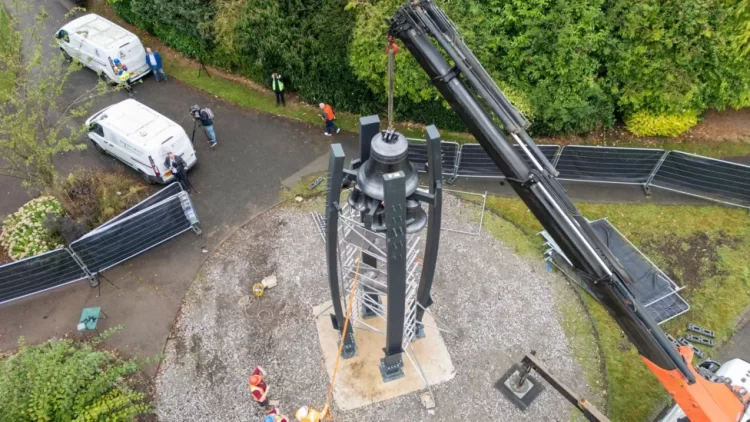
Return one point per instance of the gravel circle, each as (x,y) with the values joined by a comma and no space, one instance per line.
(499,306)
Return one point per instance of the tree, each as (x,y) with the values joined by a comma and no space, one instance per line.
(36,122)
(63,380)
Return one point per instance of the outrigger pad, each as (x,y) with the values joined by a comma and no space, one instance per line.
(522,398)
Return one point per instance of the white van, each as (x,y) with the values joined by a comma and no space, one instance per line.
(141,138)
(96,42)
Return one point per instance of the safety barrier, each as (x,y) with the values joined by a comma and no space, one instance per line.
(155,220)
(703,177)
(418,155)
(475,162)
(607,165)
(716,180)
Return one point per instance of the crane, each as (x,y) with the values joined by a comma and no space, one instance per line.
(472,94)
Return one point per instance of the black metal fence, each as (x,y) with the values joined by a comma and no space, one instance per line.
(155,220)
(708,178)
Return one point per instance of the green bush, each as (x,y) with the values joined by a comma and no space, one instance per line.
(63,380)
(645,124)
(24,232)
(674,57)
(570,67)
(92,197)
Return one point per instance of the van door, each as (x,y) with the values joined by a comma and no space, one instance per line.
(74,46)
(96,134)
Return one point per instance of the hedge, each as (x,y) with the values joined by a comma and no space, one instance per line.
(571,66)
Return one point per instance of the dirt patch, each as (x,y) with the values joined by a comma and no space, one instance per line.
(726,124)
(689,260)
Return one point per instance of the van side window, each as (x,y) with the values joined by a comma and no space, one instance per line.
(97,128)
(63,35)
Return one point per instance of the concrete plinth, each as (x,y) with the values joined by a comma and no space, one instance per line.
(358,381)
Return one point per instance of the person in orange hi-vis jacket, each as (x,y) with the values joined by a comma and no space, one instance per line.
(328,117)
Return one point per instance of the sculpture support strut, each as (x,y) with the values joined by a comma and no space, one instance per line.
(434,220)
(335,177)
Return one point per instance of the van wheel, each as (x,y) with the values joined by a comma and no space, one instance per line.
(66,56)
(99,147)
(146,178)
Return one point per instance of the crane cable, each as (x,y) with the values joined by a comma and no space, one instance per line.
(391,49)
(329,397)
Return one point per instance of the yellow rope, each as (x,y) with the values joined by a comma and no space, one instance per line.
(326,408)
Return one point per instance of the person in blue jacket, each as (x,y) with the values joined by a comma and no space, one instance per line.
(153,59)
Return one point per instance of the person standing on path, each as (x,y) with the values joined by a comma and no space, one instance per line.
(207,121)
(258,387)
(278,88)
(177,166)
(328,117)
(153,59)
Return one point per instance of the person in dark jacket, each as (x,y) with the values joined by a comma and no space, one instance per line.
(153,59)
(177,166)
(278,88)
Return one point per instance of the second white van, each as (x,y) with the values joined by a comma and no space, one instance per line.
(97,42)
(141,138)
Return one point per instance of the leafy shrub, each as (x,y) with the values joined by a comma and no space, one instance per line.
(570,66)
(91,197)
(68,228)
(24,232)
(64,380)
(645,124)
(674,57)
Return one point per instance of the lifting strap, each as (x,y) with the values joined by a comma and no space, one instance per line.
(327,407)
(391,49)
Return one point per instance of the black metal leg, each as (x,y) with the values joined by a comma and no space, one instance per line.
(434,218)
(335,177)
(391,367)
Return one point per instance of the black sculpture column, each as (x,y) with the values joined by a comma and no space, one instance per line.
(369,126)
(434,220)
(391,366)
(335,178)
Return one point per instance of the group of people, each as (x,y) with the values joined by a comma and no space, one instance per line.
(153,59)
(327,114)
(259,392)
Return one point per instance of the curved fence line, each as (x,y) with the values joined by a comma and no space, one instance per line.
(155,220)
(689,174)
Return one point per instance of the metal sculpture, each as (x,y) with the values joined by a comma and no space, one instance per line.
(379,223)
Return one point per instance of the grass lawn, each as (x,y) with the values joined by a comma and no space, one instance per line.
(9,48)
(703,248)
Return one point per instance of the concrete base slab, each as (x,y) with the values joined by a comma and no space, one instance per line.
(358,381)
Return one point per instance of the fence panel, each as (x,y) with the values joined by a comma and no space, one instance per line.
(162,194)
(607,164)
(704,177)
(653,289)
(475,162)
(418,155)
(37,274)
(133,235)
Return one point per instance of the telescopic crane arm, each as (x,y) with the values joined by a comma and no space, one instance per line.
(414,24)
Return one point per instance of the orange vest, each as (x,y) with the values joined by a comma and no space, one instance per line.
(328,110)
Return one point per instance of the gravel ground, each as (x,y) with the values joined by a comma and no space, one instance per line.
(499,305)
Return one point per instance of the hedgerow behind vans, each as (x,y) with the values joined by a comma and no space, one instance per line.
(141,138)
(96,42)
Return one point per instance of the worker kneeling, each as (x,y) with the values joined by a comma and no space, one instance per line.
(306,414)
(258,387)
(274,416)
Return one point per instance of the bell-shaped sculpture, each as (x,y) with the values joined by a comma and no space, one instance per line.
(389,153)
